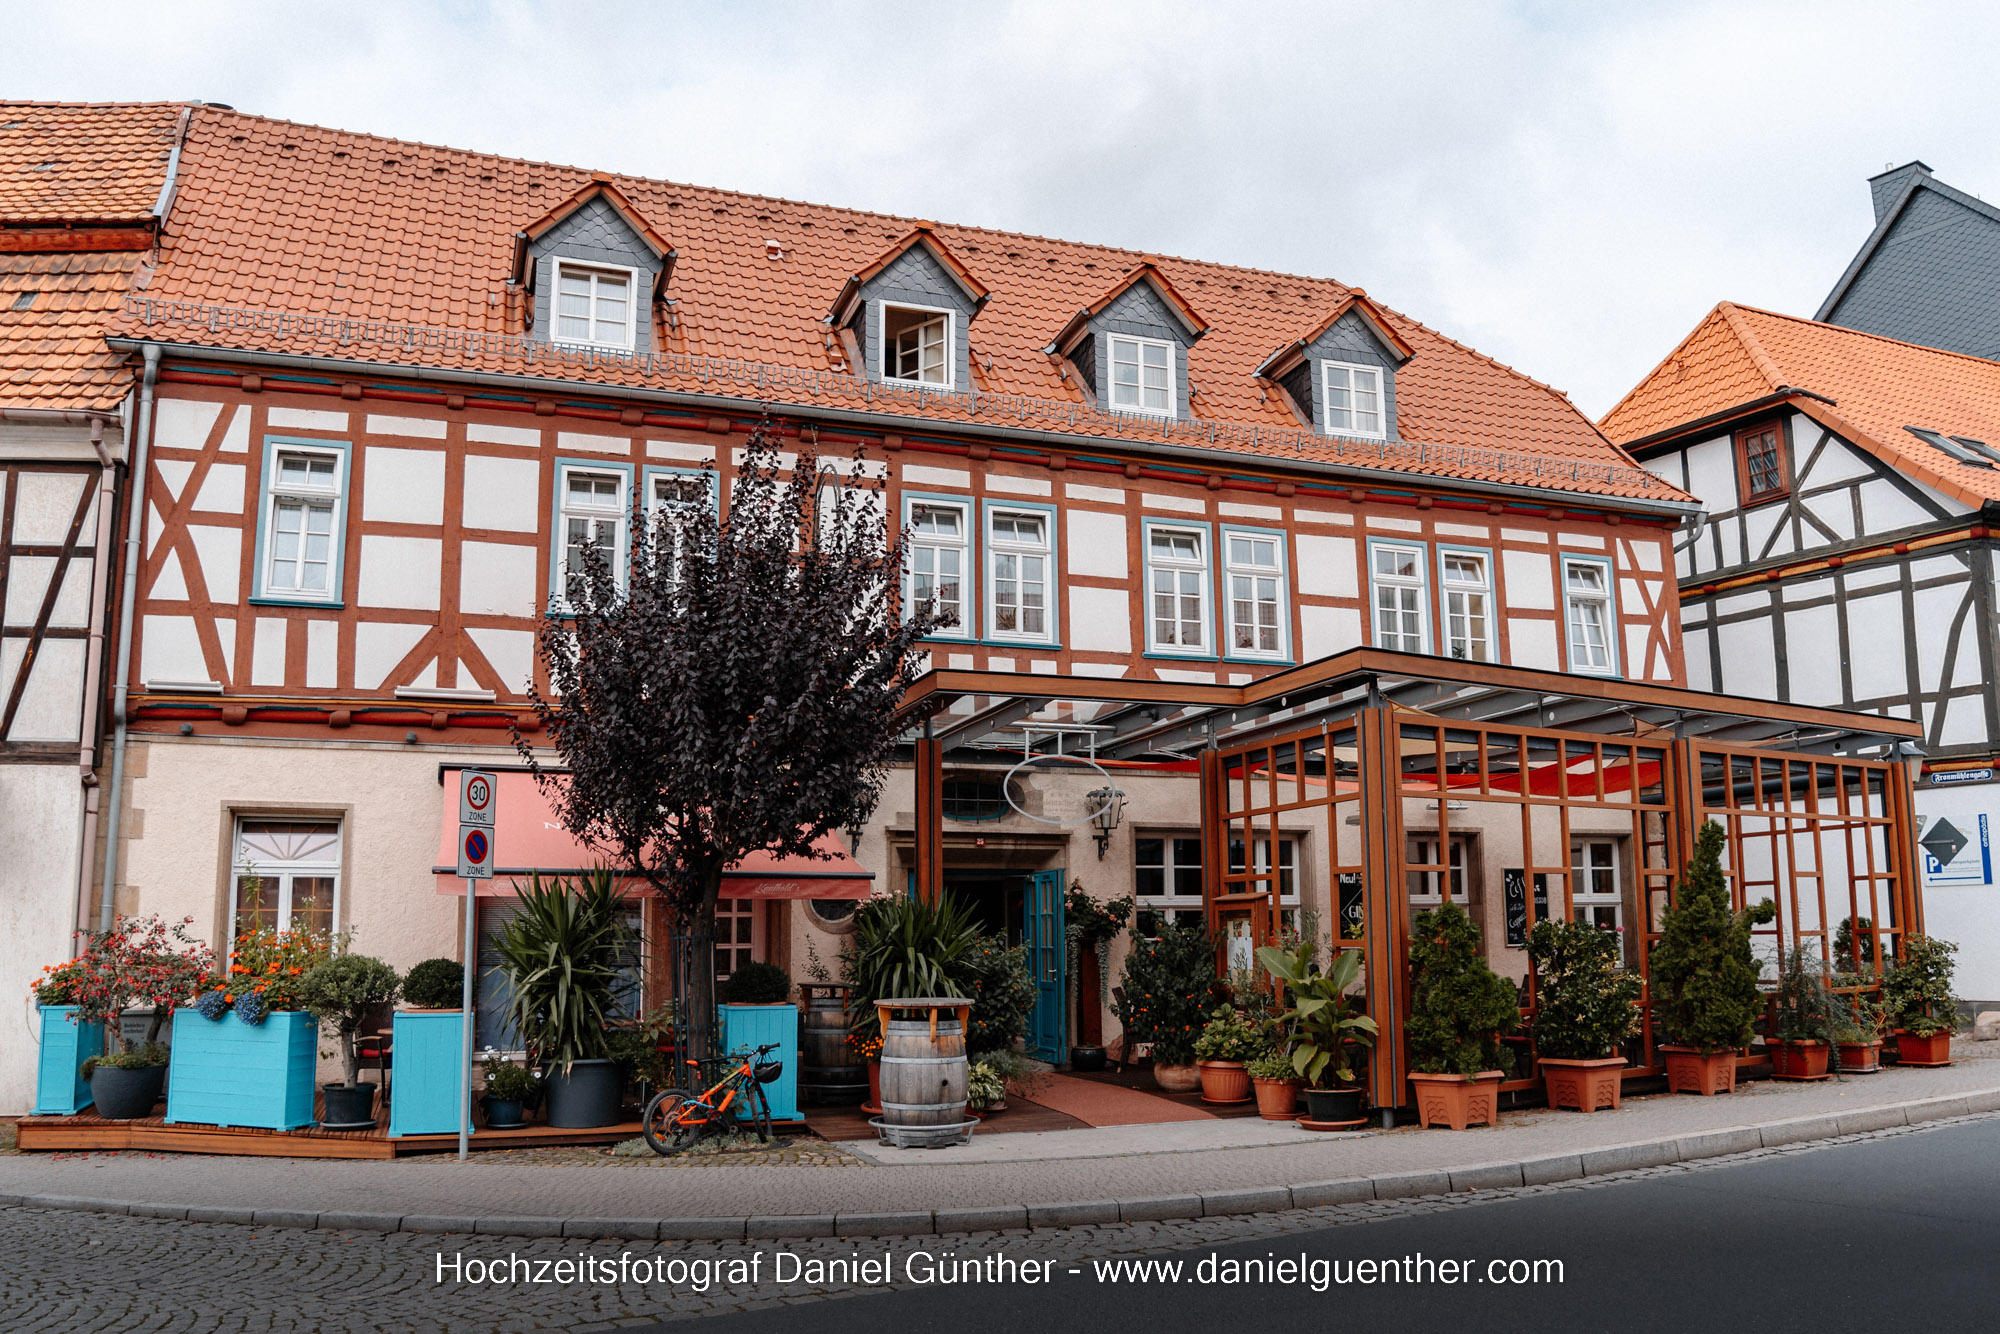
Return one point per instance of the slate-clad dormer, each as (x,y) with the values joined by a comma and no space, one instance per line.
(910,313)
(595,267)
(1342,375)
(1130,345)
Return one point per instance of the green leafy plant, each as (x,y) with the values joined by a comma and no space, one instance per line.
(904,946)
(508,1082)
(341,992)
(757,983)
(1229,1035)
(435,984)
(1091,920)
(1854,942)
(1167,988)
(1459,1006)
(60,983)
(1806,1008)
(1858,1016)
(1585,1003)
(1917,991)
(1021,1074)
(560,958)
(1704,975)
(984,1085)
(142,1057)
(1325,1024)
(995,976)
(1271,1065)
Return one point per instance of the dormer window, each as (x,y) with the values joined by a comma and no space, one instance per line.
(1142,375)
(594,305)
(1352,398)
(916,345)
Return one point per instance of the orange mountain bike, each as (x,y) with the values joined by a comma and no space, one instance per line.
(676,1119)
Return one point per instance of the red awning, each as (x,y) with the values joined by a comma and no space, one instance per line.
(529,839)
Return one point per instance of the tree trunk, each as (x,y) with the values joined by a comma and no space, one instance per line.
(353,1062)
(699,1013)
(1089,1019)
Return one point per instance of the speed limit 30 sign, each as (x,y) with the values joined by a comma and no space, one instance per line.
(478,804)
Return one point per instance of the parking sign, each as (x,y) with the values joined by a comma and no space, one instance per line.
(475,852)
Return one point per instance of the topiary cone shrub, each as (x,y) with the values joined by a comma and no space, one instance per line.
(1704,976)
(1459,1006)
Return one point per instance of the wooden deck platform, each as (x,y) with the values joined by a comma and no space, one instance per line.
(87,1133)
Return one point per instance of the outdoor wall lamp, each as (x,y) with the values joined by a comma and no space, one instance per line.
(1911,756)
(1107,807)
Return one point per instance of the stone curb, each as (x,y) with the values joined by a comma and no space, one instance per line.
(1588,1163)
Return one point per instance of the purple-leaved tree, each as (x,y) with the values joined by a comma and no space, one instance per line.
(732,688)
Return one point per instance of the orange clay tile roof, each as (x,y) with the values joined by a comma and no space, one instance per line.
(273,217)
(1868,389)
(52,353)
(84,162)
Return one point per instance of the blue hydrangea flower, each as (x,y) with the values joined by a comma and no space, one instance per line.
(251,1008)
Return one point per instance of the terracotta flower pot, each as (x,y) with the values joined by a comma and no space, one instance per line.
(1177,1078)
(1277,1099)
(1224,1081)
(874,1103)
(1689,1070)
(1913,1050)
(1584,1085)
(1457,1100)
(1860,1058)
(1798,1060)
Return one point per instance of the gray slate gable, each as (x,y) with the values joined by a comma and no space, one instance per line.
(915,278)
(1140,312)
(1929,273)
(1351,339)
(595,234)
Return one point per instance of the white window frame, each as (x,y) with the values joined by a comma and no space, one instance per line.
(1353,370)
(656,504)
(1138,345)
(1203,570)
(277,493)
(279,875)
(998,548)
(1581,874)
(1451,592)
(1170,906)
(1605,600)
(968,598)
(565,511)
(1233,570)
(633,285)
(886,355)
(1423,848)
(1378,581)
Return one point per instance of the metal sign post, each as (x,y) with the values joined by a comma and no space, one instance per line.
(478,802)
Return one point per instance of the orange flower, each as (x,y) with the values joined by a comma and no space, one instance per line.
(229,997)
(296,970)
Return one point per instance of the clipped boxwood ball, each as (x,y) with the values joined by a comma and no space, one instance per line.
(435,984)
(757,984)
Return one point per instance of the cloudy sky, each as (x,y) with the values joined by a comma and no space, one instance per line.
(1567,187)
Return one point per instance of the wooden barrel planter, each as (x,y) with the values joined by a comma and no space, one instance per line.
(830,1074)
(924,1072)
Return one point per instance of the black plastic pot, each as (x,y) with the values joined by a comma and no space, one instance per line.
(588,1095)
(125,1095)
(504,1115)
(347,1107)
(1334,1105)
(1086,1058)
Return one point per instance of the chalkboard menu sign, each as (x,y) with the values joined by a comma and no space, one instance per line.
(1352,913)
(1514,891)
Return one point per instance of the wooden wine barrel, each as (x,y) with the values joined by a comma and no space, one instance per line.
(830,1074)
(923,1061)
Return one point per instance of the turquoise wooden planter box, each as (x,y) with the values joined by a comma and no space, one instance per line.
(424,1088)
(224,1072)
(66,1044)
(750,1027)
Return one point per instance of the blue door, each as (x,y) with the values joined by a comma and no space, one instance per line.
(1042,933)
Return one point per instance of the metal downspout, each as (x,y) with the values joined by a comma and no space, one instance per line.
(128,594)
(93,663)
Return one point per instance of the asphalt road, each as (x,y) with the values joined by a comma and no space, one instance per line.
(1888,1233)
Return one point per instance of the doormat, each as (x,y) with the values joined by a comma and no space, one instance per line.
(1100,1104)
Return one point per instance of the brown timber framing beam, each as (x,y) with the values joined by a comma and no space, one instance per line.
(930,818)
(1385,903)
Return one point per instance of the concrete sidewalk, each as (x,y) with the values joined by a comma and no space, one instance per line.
(1055,1178)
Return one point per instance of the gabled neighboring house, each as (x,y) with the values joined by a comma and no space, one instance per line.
(1929,272)
(1852,489)
(82,192)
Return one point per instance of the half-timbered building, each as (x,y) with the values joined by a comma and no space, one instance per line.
(1845,556)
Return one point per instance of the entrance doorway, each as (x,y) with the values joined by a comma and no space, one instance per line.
(1028,910)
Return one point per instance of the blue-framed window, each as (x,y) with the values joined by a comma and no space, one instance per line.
(302,522)
(1590,616)
(1179,564)
(939,566)
(1465,590)
(593,509)
(1021,597)
(1399,594)
(1256,595)
(669,490)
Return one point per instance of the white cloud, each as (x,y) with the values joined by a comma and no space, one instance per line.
(1566,187)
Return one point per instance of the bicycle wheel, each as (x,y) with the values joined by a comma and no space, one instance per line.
(666,1125)
(759,1112)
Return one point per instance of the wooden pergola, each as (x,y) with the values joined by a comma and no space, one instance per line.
(1375,747)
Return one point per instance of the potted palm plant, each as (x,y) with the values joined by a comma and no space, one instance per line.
(561,957)
(1227,1040)
(1704,976)
(900,947)
(343,991)
(1584,1008)
(1459,1007)
(1917,995)
(1326,1027)
(1802,1028)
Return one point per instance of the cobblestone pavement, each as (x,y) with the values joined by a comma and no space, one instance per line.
(745,1151)
(62,1271)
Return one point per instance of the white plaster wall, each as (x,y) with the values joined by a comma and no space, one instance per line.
(1096,544)
(39,841)
(502,493)
(404,485)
